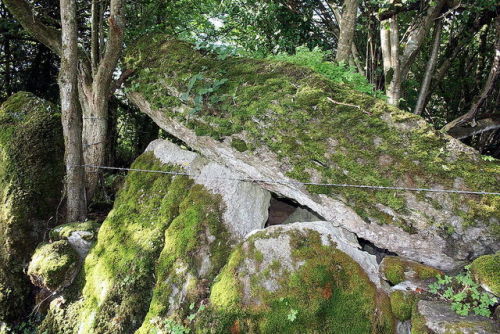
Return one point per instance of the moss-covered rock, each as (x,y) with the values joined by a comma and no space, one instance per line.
(435,317)
(294,279)
(81,236)
(402,303)
(395,270)
(54,265)
(156,253)
(31,174)
(65,231)
(290,118)
(486,271)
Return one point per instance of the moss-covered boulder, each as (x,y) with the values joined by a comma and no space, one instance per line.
(54,265)
(271,120)
(395,270)
(486,272)
(80,235)
(158,251)
(434,317)
(294,279)
(31,174)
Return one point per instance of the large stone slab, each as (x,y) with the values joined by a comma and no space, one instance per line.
(280,123)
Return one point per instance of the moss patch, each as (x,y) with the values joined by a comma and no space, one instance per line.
(418,322)
(396,270)
(53,265)
(328,293)
(31,174)
(402,304)
(486,271)
(293,111)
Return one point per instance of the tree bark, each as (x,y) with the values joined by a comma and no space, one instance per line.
(71,115)
(94,90)
(429,71)
(347,27)
(389,39)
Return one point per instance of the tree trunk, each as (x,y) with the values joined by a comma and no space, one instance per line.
(94,93)
(71,115)
(389,39)
(429,71)
(347,28)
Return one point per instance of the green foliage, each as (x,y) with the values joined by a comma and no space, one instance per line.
(202,88)
(464,294)
(316,59)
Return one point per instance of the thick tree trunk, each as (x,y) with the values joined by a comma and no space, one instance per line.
(71,115)
(429,71)
(347,27)
(94,91)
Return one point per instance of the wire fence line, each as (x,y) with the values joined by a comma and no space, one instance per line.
(291,182)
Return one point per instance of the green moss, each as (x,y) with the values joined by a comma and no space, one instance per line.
(197,226)
(160,231)
(396,270)
(64,231)
(53,265)
(266,103)
(402,304)
(329,293)
(418,322)
(239,145)
(31,173)
(486,271)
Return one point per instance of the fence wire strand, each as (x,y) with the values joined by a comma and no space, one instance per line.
(296,183)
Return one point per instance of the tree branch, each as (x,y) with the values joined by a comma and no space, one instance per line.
(23,12)
(114,46)
(483,125)
(397,8)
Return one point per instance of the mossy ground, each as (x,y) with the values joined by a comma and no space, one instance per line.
(486,271)
(31,171)
(328,293)
(293,111)
(393,268)
(157,221)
